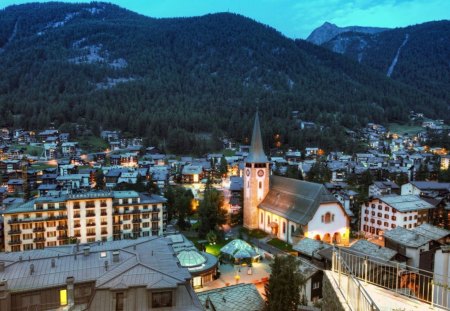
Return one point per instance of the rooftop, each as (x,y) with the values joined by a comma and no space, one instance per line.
(405,203)
(240,297)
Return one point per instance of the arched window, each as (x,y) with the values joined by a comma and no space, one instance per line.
(262,218)
(284,227)
(260,185)
(268,219)
(327,218)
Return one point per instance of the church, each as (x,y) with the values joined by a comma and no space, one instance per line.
(286,207)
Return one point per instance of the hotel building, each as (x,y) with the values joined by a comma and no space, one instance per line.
(83,218)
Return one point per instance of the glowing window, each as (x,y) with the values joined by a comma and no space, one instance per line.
(63,297)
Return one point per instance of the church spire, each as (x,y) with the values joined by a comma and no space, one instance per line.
(256,154)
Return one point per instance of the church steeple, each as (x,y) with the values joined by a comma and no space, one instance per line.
(256,154)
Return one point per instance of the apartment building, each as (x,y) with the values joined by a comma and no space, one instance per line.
(82,218)
(390,211)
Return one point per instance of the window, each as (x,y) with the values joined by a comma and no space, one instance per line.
(386,208)
(316,285)
(268,219)
(410,217)
(28,236)
(380,215)
(405,218)
(366,212)
(380,207)
(373,213)
(262,218)
(51,234)
(379,222)
(284,227)
(394,218)
(366,219)
(372,205)
(119,301)
(27,226)
(328,218)
(63,297)
(393,226)
(386,216)
(386,224)
(161,299)
(365,228)
(260,185)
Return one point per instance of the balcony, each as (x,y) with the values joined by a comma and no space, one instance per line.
(104,232)
(90,234)
(76,216)
(156,219)
(137,220)
(15,242)
(63,237)
(156,210)
(18,231)
(77,225)
(38,240)
(117,232)
(77,235)
(90,205)
(118,223)
(92,224)
(63,227)
(90,214)
(39,229)
(137,229)
(104,223)
(76,206)
(103,213)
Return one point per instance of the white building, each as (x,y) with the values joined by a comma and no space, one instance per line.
(287,207)
(390,211)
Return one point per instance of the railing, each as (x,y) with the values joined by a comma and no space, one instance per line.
(15,242)
(39,229)
(37,240)
(354,293)
(408,281)
(18,231)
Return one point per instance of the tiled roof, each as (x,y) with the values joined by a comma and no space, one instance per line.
(405,203)
(240,297)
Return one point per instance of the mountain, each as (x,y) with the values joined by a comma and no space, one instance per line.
(182,81)
(418,55)
(328,31)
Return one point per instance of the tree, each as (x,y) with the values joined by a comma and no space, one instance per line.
(283,288)
(179,204)
(223,168)
(99,180)
(210,210)
(423,172)
(294,172)
(319,173)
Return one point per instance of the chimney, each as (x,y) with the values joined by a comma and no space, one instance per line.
(31,269)
(2,266)
(70,280)
(115,256)
(86,250)
(53,263)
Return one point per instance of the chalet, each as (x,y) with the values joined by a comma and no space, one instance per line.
(69,149)
(192,174)
(44,135)
(418,244)
(426,188)
(110,136)
(15,185)
(44,189)
(152,150)
(50,151)
(64,137)
(379,188)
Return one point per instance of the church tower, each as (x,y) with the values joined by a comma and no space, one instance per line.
(256,178)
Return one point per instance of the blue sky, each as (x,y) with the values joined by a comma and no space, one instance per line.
(295,18)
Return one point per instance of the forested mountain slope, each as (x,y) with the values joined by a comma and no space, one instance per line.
(102,66)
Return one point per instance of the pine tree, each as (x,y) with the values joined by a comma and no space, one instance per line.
(283,289)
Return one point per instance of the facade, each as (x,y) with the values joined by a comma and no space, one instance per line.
(391,211)
(85,218)
(140,274)
(287,207)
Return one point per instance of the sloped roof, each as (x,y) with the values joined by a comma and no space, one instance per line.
(405,203)
(256,154)
(146,262)
(240,297)
(296,200)
(374,250)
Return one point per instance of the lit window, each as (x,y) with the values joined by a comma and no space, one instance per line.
(63,297)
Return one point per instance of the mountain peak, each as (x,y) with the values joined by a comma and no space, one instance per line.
(328,31)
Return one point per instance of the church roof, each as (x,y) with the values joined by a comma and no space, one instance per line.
(296,200)
(256,154)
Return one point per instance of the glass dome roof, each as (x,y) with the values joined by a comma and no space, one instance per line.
(190,258)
